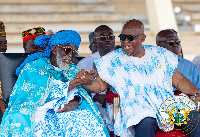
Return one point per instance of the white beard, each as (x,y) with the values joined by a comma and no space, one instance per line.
(61,63)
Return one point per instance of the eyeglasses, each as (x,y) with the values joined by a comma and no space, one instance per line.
(69,50)
(172,42)
(103,38)
(129,37)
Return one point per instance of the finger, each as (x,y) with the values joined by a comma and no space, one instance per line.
(62,108)
(92,70)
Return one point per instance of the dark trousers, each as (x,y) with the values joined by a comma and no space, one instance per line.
(193,125)
(146,128)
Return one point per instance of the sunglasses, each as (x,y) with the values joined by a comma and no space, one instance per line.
(103,38)
(129,37)
(69,50)
(172,42)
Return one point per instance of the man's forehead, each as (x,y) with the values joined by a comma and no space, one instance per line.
(132,30)
(168,35)
(104,30)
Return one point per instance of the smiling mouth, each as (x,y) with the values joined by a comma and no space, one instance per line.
(127,47)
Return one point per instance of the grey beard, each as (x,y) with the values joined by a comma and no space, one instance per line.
(62,64)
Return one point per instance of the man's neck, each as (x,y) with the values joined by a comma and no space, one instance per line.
(141,52)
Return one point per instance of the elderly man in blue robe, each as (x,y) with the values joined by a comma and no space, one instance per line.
(46,99)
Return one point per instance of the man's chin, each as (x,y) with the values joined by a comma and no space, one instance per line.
(64,66)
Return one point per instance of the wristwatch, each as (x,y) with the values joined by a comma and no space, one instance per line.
(197,94)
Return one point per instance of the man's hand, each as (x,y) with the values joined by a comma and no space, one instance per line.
(85,77)
(72,105)
(82,73)
(69,107)
(101,98)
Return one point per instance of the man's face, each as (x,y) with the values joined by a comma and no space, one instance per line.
(30,47)
(169,41)
(105,40)
(3,44)
(132,48)
(65,54)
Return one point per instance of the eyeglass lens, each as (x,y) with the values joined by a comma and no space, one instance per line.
(171,42)
(129,37)
(69,50)
(103,38)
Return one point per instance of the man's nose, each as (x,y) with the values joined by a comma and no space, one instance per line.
(126,40)
(70,54)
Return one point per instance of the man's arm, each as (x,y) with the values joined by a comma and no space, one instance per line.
(183,84)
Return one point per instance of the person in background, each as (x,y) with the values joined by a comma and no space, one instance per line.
(50,33)
(3,41)
(169,39)
(28,40)
(104,39)
(196,62)
(3,48)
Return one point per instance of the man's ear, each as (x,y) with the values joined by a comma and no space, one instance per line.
(157,43)
(94,41)
(143,37)
(53,49)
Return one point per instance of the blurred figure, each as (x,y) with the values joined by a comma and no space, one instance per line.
(3,48)
(196,57)
(169,39)
(196,62)
(28,40)
(92,47)
(50,33)
(3,41)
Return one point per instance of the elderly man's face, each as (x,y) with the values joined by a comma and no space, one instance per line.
(105,40)
(3,44)
(30,47)
(65,54)
(132,47)
(170,41)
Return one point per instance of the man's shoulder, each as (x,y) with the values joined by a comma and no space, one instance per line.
(87,62)
(93,56)
(185,62)
(39,62)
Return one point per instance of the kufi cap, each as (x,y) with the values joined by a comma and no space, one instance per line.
(2,29)
(32,33)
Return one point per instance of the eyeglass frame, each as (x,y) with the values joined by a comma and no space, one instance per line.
(178,42)
(126,37)
(72,50)
(106,37)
